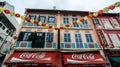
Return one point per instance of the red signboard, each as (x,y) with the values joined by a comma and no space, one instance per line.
(84,58)
(31,57)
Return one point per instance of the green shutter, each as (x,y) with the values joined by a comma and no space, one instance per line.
(25,23)
(62,45)
(86,45)
(53,45)
(29,44)
(17,44)
(95,45)
(73,45)
(81,26)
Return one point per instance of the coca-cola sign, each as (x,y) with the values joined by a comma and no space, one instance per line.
(38,55)
(86,56)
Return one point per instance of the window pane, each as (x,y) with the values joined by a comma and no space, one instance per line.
(67,37)
(41,18)
(51,19)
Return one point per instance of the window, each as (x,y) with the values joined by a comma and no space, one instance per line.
(25,36)
(74,19)
(106,23)
(65,20)
(115,40)
(67,37)
(32,17)
(38,40)
(114,22)
(42,19)
(1,38)
(96,21)
(89,37)
(49,37)
(3,27)
(85,22)
(7,31)
(78,40)
(51,19)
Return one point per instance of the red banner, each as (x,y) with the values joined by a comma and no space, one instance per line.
(84,58)
(31,57)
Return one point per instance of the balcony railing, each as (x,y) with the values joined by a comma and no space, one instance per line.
(80,26)
(73,45)
(29,24)
(28,44)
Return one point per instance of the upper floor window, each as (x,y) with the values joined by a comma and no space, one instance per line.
(74,19)
(106,23)
(115,40)
(32,17)
(38,40)
(96,21)
(85,22)
(67,37)
(89,37)
(42,19)
(51,19)
(78,40)
(3,27)
(25,36)
(49,37)
(114,22)
(65,20)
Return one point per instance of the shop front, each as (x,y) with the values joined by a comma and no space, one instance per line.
(33,59)
(114,57)
(84,59)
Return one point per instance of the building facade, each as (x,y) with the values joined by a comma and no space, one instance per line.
(8,27)
(107,27)
(38,45)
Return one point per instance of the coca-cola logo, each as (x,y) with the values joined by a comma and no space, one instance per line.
(38,55)
(86,56)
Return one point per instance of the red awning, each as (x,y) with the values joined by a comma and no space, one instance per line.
(31,58)
(84,58)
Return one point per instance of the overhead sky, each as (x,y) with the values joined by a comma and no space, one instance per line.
(82,5)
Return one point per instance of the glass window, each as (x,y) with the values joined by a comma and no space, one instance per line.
(32,17)
(74,19)
(42,19)
(114,22)
(67,37)
(107,23)
(25,36)
(89,37)
(78,40)
(85,22)
(50,37)
(115,40)
(7,31)
(65,20)
(51,19)
(38,40)
(96,21)
(3,27)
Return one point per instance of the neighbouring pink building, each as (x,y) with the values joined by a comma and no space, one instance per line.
(107,27)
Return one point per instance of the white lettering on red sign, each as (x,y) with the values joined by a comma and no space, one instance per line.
(86,56)
(33,55)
